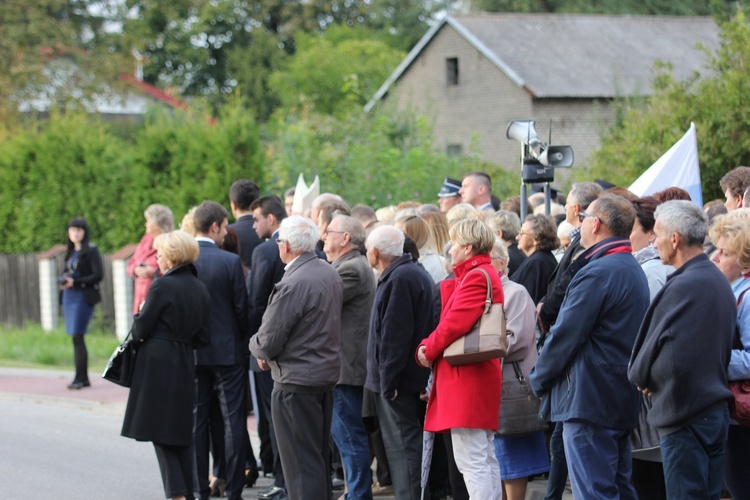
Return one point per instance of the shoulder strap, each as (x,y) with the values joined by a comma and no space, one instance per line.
(488,299)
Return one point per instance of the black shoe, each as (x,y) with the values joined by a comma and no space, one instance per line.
(337,483)
(251,475)
(79,385)
(273,493)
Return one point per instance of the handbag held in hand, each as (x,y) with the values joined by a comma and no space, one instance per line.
(486,340)
(120,366)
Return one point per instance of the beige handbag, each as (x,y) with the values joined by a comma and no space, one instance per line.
(486,340)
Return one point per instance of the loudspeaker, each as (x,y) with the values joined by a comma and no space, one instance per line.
(557,157)
(534,171)
(523,131)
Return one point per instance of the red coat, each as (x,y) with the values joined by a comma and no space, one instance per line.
(468,395)
(144,252)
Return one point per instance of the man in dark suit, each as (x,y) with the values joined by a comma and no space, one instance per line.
(267,270)
(220,370)
(242,194)
(299,342)
(343,239)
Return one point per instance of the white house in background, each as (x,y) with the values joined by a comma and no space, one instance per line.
(474,73)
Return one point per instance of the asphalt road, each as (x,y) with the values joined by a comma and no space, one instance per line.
(71,451)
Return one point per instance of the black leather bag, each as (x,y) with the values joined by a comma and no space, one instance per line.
(519,407)
(120,365)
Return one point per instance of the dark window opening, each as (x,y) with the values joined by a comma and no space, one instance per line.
(451,66)
(454,150)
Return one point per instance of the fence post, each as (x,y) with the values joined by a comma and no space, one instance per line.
(49,290)
(122,286)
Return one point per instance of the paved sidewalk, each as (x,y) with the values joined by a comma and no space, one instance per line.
(50,387)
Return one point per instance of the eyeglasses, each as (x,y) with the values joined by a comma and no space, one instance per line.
(280,241)
(583,215)
(159,256)
(328,231)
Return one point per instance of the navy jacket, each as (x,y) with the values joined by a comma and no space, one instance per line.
(247,238)
(582,368)
(682,350)
(222,274)
(401,317)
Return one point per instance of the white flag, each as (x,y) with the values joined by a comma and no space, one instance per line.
(677,167)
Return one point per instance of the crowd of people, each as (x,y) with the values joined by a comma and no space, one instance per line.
(625,317)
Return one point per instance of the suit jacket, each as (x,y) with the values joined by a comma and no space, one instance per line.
(359,293)
(266,271)
(515,258)
(247,237)
(89,273)
(558,284)
(174,320)
(300,333)
(221,272)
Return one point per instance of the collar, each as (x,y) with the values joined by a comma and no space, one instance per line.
(695,261)
(286,267)
(462,268)
(205,240)
(404,259)
(575,232)
(485,206)
(613,244)
(346,256)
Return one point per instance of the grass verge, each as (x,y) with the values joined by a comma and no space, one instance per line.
(32,347)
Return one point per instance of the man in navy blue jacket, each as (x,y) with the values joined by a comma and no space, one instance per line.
(401,317)
(681,355)
(220,368)
(582,369)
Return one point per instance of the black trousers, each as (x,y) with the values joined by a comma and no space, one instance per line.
(229,385)
(176,467)
(265,384)
(303,431)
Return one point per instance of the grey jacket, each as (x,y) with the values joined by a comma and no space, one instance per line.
(299,335)
(359,293)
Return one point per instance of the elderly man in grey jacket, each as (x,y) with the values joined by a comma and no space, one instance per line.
(298,341)
(343,239)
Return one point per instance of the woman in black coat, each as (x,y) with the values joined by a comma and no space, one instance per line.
(537,239)
(174,320)
(80,292)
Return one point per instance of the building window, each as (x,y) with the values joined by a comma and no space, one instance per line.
(454,150)
(451,66)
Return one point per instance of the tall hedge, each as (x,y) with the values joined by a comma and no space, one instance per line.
(69,165)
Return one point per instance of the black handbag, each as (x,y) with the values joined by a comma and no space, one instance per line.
(519,407)
(120,366)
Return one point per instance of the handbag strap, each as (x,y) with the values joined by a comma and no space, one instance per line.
(488,299)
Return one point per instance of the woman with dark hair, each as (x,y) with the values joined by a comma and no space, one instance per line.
(642,239)
(537,239)
(80,292)
(672,193)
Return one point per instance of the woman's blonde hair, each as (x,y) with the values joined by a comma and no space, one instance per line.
(178,247)
(735,227)
(459,211)
(473,232)
(188,224)
(417,229)
(438,225)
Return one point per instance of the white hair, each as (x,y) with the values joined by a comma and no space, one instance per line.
(301,233)
(684,218)
(388,240)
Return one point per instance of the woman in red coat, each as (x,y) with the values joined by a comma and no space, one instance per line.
(142,266)
(465,400)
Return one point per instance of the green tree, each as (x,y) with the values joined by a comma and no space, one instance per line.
(54,48)
(718,103)
(336,71)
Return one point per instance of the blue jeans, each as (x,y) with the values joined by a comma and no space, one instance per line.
(694,456)
(558,468)
(349,434)
(402,436)
(599,461)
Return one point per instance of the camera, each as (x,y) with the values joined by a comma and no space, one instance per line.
(61,280)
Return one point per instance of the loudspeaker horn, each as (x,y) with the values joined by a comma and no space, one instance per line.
(557,157)
(523,131)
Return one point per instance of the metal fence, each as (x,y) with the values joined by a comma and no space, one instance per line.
(19,291)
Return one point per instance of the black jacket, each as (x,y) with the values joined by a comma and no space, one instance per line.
(247,237)
(558,284)
(89,273)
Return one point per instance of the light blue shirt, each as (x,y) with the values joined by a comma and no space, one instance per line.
(739,364)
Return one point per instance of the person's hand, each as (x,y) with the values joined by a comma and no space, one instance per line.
(646,392)
(422,358)
(263,365)
(395,395)
(68,283)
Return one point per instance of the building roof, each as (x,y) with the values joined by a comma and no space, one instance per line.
(578,56)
